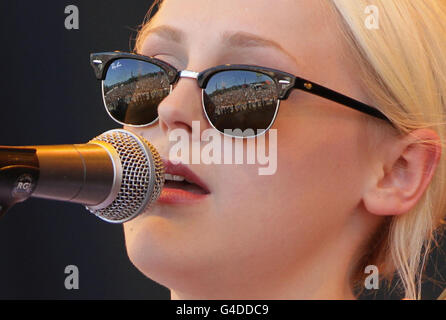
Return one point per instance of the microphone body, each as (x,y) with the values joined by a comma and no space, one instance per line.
(116,175)
(89,174)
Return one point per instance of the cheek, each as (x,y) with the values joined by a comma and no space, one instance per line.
(314,190)
(321,171)
(317,184)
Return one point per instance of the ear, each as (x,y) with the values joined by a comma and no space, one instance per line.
(407,170)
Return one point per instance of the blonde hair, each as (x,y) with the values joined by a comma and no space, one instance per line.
(403,68)
(404,71)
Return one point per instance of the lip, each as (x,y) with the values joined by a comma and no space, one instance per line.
(180,196)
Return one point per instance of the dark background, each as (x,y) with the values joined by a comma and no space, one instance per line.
(49,95)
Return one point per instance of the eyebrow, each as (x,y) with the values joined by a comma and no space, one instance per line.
(239,39)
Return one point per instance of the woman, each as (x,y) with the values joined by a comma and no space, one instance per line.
(350,189)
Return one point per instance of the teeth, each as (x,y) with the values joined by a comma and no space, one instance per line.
(173,177)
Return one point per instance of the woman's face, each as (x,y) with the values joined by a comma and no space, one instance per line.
(253,233)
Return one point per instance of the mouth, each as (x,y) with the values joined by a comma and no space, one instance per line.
(181,185)
(179,182)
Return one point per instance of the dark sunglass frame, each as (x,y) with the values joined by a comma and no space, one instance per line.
(284,81)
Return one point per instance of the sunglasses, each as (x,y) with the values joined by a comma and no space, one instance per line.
(238,100)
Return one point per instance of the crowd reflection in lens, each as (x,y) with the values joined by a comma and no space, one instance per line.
(243,105)
(133,92)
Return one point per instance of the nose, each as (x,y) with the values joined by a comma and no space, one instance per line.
(183,105)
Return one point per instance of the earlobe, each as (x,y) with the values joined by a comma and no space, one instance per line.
(410,170)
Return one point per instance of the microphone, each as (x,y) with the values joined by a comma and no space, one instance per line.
(116,175)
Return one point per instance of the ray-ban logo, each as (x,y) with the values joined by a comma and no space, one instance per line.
(116,65)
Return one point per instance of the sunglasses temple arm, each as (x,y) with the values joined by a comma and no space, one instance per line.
(329,94)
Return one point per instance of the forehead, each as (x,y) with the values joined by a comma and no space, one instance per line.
(287,22)
(262,15)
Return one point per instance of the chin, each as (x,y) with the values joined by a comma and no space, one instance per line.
(161,253)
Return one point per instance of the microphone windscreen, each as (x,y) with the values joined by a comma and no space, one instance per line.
(142,176)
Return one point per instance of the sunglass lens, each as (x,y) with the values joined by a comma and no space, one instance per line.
(241,103)
(133,89)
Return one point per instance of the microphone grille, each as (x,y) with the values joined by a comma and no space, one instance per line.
(142,176)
